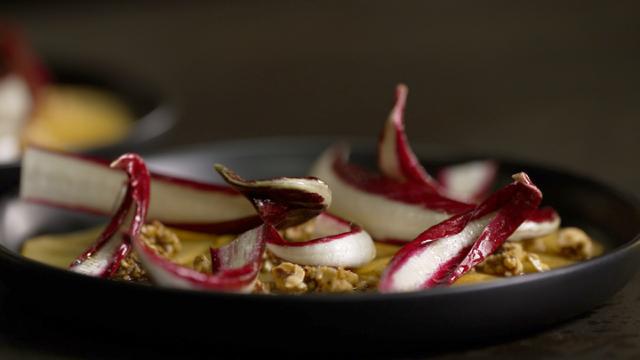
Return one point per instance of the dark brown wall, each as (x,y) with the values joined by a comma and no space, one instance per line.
(556,81)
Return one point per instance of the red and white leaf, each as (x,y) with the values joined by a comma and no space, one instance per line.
(396,159)
(446,251)
(102,258)
(468,182)
(541,222)
(334,242)
(236,269)
(388,209)
(70,181)
(283,201)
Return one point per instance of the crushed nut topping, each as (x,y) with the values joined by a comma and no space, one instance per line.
(510,260)
(131,269)
(289,278)
(202,263)
(165,243)
(542,244)
(570,243)
(331,279)
(158,237)
(269,261)
(575,244)
(536,263)
(278,276)
(295,279)
(261,287)
(299,233)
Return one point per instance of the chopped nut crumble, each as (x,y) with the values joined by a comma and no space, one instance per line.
(289,278)
(295,279)
(575,244)
(299,233)
(165,243)
(202,263)
(510,260)
(281,277)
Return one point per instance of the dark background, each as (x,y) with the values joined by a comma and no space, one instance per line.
(551,81)
(555,81)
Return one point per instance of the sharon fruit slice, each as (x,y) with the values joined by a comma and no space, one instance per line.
(70,181)
(446,251)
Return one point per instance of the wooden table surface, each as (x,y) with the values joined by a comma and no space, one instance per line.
(555,82)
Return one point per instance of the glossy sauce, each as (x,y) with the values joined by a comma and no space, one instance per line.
(60,250)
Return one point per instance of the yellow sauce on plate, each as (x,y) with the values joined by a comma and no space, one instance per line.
(74,117)
(60,250)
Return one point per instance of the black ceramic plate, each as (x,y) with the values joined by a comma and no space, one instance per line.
(153,116)
(435,318)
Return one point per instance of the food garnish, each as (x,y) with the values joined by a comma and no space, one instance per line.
(446,251)
(78,183)
(286,202)
(103,258)
(396,159)
(402,200)
(390,210)
(470,181)
(236,265)
(334,242)
(541,222)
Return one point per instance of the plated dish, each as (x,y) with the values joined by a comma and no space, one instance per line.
(345,229)
(41,296)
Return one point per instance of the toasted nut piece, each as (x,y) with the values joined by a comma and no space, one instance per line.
(300,233)
(510,260)
(261,287)
(202,263)
(507,261)
(131,269)
(331,279)
(164,241)
(533,263)
(289,277)
(575,244)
